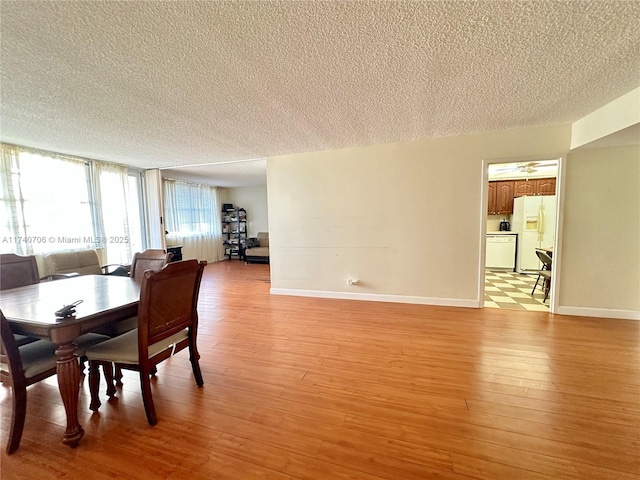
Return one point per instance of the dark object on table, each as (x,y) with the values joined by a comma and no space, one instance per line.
(68,310)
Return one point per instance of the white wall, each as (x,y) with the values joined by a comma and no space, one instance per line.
(601,237)
(614,116)
(254,201)
(404,218)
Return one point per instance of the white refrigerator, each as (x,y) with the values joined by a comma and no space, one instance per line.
(534,220)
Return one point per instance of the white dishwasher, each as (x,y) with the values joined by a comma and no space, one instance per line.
(501,251)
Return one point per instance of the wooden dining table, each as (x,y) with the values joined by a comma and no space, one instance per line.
(30,310)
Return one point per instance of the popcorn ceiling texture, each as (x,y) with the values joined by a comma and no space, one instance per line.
(157,84)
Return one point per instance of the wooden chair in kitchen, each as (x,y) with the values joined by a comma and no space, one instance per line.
(167,323)
(27,364)
(544,274)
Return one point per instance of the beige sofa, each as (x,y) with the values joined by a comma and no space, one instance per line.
(260,253)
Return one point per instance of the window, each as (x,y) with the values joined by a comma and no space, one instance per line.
(46,204)
(51,202)
(193,219)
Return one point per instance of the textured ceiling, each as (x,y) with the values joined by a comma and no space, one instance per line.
(238,173)
(161,84)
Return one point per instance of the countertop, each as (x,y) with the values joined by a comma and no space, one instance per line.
(502,233)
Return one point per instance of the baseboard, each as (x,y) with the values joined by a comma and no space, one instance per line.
(374,297)
(600,312)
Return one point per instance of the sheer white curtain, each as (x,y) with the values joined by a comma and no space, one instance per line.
(111,184)
(9,222)
(45,202)
(192,218)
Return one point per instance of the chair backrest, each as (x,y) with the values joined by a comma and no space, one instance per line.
(168,303)
(17,271)
(10,361)
(545,259)
(148,260)
(25,364)
(263,238)
(82,262)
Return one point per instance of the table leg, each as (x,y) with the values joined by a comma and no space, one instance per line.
(68,370)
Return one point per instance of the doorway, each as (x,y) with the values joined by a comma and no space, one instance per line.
(520,217)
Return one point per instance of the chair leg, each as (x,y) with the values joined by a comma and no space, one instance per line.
(194,357)
(107,368)
(17,419)
(535,285)
(94,386)
(147,398)
(547,286)
(118,375)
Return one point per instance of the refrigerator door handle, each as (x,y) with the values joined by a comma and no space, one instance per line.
(541,222)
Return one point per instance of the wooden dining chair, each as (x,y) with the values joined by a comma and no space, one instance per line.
(25,365)
(167,323)
(18,271)
(152,259)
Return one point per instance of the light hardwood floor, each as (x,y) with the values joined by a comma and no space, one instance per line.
(302,388)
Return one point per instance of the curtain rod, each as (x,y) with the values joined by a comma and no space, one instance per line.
(39,151)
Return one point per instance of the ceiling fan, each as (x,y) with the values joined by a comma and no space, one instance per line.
(524,167)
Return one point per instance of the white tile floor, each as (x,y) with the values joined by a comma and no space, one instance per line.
(504,289)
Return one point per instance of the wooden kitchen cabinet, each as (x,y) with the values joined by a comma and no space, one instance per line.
(536,186)
(500,200)
(546,186)
(525,187)
(491,203)
(504,197)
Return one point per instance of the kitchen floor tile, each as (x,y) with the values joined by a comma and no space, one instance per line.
(536,307)
(511,306)
(501,299)
(518,295)
(511,290)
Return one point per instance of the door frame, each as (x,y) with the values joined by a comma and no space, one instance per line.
(557,246)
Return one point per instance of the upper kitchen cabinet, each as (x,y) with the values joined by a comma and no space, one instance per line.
(546,186)
(500,198)
(491,203)
(538,186)
(525,187)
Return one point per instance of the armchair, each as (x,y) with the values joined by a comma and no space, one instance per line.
(79,262)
